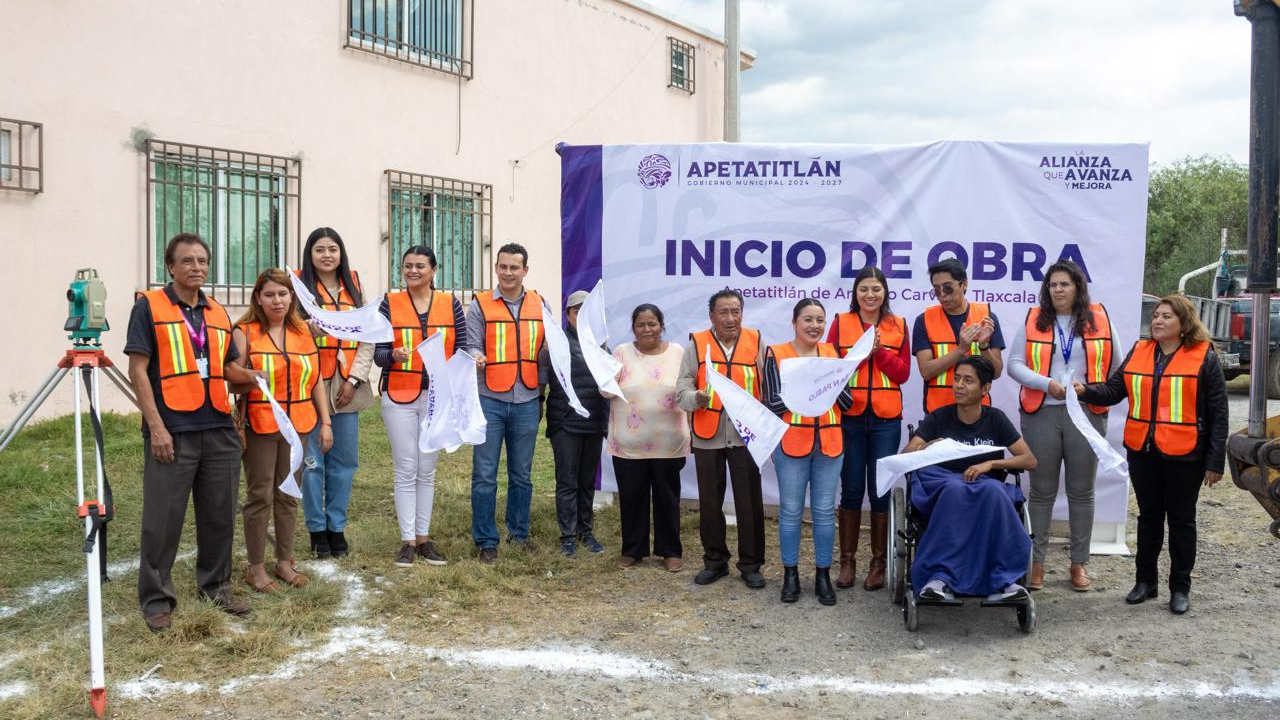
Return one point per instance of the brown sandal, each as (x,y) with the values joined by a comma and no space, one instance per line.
(299,580)
(271,588)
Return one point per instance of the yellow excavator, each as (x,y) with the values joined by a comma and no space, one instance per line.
(1254,452)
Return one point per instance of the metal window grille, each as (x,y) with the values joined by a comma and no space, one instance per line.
(682,66)
(429,33)
(21,155)
(452,217)
(245,205)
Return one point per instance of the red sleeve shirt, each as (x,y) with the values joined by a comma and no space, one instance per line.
(895,365)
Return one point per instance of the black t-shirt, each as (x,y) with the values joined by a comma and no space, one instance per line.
(992,428)
(920,338)
(141,340)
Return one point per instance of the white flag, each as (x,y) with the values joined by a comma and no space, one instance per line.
(1109,459)
(290,485)
(558,349)
(592,332)
(468,416)
(364,324)
(760,429)
(437,431)
(810,385)
(890,470)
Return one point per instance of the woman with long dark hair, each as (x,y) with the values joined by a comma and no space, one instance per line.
(344,369)
(1065,338)
(416,313)
(872,425)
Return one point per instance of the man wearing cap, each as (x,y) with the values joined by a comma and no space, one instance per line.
(576,441)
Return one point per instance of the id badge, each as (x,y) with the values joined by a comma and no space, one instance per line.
(202,364)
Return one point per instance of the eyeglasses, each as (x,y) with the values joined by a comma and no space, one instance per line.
(944,288)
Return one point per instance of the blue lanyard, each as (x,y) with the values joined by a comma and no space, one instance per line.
(1065,342)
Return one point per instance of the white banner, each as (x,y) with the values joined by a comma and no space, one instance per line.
(592,333)
(290,485)
(891,471)
(468,416)
(1109,459)
(810,386)
(454,417)
(561,360)
(364,324)
(784,222)
(760,429)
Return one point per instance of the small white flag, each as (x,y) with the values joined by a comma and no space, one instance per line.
(454,417)
(811,385)
(890,471)
(364,324)
(1109,459)
(468,416)
(592,333)
(290,485)
(558,349)
(760,429)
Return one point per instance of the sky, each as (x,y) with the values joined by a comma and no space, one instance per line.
(1174,73)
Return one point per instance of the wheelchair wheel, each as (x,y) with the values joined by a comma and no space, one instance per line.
(1027,616)
(897,545)
(1031,556)
(910,612)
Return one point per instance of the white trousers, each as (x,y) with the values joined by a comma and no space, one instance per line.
(415,471)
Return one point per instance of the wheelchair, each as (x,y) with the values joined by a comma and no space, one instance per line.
(906,527)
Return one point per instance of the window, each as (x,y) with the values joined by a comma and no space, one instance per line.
(682,70)
(245,205)
(430,33)
(21,156)
(452,217)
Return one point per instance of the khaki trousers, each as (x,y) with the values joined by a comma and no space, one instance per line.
(266,463)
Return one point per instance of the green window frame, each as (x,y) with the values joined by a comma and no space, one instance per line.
(452,217)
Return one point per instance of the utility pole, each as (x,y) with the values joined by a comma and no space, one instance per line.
(732,73)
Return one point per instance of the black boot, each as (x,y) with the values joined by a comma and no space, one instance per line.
(320,544)
(822,586)
(790,584)
(338,544)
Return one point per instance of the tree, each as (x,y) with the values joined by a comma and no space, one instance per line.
(1189,202)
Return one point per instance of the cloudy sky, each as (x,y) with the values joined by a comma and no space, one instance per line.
(1171,72)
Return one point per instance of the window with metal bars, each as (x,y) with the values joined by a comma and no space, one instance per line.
(430,33)
(682,66)
(245,205)
(452,217)
(21,155)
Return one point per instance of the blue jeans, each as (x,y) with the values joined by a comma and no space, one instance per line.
(517,425)
(327,477)
(867,438)
(818,474)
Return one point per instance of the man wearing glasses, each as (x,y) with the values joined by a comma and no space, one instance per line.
(950,331)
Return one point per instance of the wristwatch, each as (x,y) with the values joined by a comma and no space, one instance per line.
(984,347)
(355,382)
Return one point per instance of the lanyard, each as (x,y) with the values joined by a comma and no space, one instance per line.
(198,339)
(1065,341)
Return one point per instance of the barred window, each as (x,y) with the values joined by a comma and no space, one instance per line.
(429,33)
(21,156)
(682,70)
(245,205)
(452,217)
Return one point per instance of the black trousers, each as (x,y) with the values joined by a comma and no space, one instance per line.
(748,504)
(205,470)
(637,479)
(1167,491)
(577,459)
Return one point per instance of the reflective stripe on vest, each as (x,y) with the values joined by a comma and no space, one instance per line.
(938,391)
(181,387)
(292,371)
(870,384)
(798,440)
(1168,412)
(741,370)
(511,344)
(1039,355)
(330,347)
(404,380)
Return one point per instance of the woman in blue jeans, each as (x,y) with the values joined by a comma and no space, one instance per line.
(808,458)
(873,422)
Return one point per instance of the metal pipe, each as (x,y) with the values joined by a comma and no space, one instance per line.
(732,71)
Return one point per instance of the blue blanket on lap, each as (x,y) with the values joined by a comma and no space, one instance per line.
(975,541)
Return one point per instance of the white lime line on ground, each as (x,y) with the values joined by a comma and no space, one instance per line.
(50,590)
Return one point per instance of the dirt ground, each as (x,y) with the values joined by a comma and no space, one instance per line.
(642,643)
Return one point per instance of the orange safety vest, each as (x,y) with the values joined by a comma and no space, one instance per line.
(1174,401)
(330,347)
(797,442)
(1039,355)
(870,385)
(292,373)
(511,345)
(404,380)
(742,371)
(181,387)
(938,391)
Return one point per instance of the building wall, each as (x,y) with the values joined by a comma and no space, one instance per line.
(264,76)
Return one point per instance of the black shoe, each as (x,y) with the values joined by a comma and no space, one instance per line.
(427,551)
(404,556)
(706,576)
(790,584)
(822,586)
(489,555)
(753,579)
(1140,593)
(320,544)
(568,548)
(338,544)
(589,542)
(1179,602)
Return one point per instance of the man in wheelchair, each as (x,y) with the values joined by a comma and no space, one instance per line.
(975,543)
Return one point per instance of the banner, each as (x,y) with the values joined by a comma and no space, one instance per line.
(364,324)
(592,333)
(290,485)
(437,431)
(561,359)
(891,471)
(811,385)
(760,429)
(671,224)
